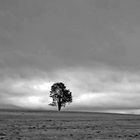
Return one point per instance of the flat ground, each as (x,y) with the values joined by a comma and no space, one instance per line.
(51,125)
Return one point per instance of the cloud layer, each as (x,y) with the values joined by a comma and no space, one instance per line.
(91,45)
(92,90)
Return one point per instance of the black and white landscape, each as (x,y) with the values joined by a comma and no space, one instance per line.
(92,46)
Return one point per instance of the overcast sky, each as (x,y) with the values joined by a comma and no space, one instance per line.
(93,46)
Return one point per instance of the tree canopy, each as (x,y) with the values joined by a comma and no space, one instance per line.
(60,95)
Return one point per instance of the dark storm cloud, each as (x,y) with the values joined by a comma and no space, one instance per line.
(72,32)
(64,39)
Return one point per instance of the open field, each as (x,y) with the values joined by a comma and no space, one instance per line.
(51,125)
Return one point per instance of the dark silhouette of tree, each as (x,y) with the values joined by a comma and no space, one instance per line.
(60,95)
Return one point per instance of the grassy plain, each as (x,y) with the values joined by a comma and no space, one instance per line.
(52,125)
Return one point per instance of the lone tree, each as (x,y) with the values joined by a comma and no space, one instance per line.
(60,95)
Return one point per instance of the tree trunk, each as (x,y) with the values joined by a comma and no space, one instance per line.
(59,104)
